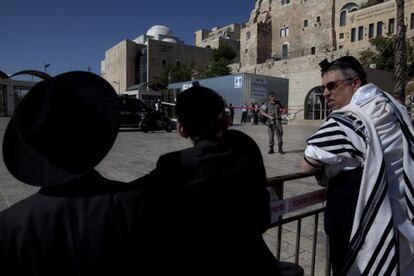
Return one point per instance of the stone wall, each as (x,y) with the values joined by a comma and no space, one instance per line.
(303,74)
(195,57)
(120,65)
(301,38)
(382,12)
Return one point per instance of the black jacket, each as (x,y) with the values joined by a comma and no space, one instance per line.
(206,208)
(87,227)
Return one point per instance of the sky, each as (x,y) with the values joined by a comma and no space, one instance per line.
(74,34)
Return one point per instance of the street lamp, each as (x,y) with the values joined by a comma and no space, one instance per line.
(119,86)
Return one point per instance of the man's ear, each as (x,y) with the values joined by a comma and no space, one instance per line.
(357,84)
(181,130)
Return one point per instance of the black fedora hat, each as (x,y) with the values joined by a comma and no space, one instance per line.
(61,129)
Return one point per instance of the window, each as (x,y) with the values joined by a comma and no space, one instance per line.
(360,32)
(353,34)
(342,18)
(371,30)
(248,35)
(318,19)
(305,23)
(163,63)
(341,36)
(412,21)
(313,50)
(285,51)
(391,25)
(283,2)
(379,28)
(284,32)
(178,63)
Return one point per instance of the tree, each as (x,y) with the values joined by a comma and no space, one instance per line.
(175,73)
(400,74)
(224,52)
(221,58)
(382,56)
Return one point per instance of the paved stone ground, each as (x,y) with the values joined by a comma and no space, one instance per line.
(135,154)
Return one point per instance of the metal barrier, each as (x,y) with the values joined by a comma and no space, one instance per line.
(280,206)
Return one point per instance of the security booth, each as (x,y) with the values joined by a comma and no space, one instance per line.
(239,89)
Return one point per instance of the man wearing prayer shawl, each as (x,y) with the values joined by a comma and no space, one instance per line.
(364,154)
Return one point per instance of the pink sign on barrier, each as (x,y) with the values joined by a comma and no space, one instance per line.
(281,207)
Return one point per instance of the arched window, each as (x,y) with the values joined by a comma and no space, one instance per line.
(350,7)
(342,18)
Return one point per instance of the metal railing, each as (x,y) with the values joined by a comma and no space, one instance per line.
(282,207)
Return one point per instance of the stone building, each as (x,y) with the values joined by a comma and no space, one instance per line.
(282,38)
(216,37)
(145,58)
(355,28)
(288,38)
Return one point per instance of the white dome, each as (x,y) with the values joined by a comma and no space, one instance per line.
(169,39)
(157,30)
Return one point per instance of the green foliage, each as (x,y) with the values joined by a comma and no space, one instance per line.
(174,73)
(383,53)
(224,52)
(218,68)
(222,57)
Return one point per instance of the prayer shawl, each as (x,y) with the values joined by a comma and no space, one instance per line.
(375,237)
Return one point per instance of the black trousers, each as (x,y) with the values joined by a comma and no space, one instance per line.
(341,201)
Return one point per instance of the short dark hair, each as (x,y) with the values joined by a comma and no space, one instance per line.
(349,66)
(200,111)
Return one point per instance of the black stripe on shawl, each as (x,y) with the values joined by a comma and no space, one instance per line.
(384,257)
(327,134)
(335,142)
(378,248)
(346,121)
(330,125)
(410,189)
(405,129)
(342,150)
(367,217)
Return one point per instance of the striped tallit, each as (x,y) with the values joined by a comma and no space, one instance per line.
(374,244)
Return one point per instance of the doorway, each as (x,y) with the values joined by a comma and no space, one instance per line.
(315,105)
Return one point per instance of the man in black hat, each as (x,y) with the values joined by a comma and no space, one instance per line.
(78,223)
(209,206)
(364,154)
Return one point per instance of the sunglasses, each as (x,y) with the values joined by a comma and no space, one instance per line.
(332,85)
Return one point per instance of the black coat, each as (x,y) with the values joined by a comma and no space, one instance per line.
(87,227)
(206,208)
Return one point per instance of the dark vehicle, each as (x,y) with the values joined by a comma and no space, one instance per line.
(131,111)
(156,120)
(135,113)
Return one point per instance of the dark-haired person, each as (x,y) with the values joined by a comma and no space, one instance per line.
(365,150)
(78,223)
(210,206)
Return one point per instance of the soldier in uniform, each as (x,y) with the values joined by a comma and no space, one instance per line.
(273,112)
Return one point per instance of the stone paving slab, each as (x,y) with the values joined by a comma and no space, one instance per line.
(135,154)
